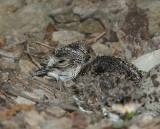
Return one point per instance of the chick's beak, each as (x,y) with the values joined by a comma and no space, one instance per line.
(41,72)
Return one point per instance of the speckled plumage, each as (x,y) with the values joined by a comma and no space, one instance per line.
(107,81)
(100,81)
(65,63)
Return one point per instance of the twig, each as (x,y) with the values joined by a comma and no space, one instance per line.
(95,39)
(32,59)
(45,86)
(38,42)
(99,36)
(46,82)
(51,104)
(37,56)
(24,85)
(8,54)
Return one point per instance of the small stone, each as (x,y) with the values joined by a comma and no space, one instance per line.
(8,124)
(26,66)
(156,40)
(42,94)
(8,64)
(33,118)
(8,9)
(66,37)
(116,47)
(62,123)
(21,100)
(90,26)
(82,120)
(84,11)
(105,123)
(11,55)
(101,49)
(9,6)
(66,18)
(113,37)
(56,111)
(134,127)
(15,39)
(153,13)
(146,118)
(135,23)
(4,76)
(64,15)
(151,59)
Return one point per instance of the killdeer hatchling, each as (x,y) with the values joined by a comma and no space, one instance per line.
(99,81)
(66,63)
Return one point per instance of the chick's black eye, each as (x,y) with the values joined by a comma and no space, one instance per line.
(61,61)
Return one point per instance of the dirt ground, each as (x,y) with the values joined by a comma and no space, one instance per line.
(30,30)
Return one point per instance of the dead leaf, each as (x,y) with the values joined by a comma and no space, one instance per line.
(2,41)
(16,109)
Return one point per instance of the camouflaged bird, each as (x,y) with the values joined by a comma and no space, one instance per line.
(65,63)
(99,81)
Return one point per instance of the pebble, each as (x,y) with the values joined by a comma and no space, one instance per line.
(156,40)
(4,76)
(9,124)
(33,118)
(90,26)
(62,123)
(105,123)
(153,13)
(9,6)
(10,55)
(64,15)
(151,59)
(42,94)
(84,12)
(65,37)
(56,111)
(26,66)
(21,100)
(101,49)
(8,64)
